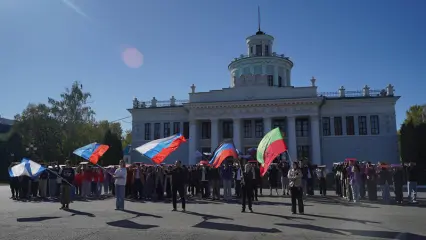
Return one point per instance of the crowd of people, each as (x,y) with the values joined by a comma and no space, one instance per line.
(239,179)
(355,181)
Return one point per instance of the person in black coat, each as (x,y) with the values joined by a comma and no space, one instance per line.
(247,186)
(179,177)
(398,181)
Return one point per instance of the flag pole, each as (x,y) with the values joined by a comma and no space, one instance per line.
(59,176)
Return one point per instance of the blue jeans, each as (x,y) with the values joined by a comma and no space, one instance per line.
(119,195)
(412,191)
(385,192)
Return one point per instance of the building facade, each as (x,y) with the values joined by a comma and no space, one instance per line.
(322,127)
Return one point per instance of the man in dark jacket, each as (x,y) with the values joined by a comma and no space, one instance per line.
(178,184)
(67,173)
(411,170)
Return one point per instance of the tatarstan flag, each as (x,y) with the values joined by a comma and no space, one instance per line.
(271,146)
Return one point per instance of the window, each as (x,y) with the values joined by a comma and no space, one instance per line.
(258,50)
(270,80)
(205,130)
(227,130)
(176,127)
(186,130)
(326,126)
(281,124)
(362,125)
(247,129)
(166,130)
(266,50)
(258,129)
(350,125)
(338,128)
(374,124)
(251,49)
(156,131)
(280,81)
(303,152)
(302,127)
(147,131)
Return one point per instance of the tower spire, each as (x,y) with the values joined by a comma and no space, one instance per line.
(259,32)
(258,17)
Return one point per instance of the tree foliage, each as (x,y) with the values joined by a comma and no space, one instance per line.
(412,137)
(61,126)
(115,150)
(127,138)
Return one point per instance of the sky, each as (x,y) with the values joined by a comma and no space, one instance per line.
(169,45)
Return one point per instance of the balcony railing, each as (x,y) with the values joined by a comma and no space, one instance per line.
(242,56)
(337,94)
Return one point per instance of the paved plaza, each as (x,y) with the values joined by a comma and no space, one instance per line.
(325,218)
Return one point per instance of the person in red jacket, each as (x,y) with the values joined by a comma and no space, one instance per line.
(78,181)
(87,179)
(100,180)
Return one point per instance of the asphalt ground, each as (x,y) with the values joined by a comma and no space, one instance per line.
(324,218)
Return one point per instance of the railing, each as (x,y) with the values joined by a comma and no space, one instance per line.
(336,94)
(242,56)
(350,94)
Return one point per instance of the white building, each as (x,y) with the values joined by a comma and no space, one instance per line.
(323,127)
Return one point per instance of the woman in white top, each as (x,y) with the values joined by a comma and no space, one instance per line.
(120,177)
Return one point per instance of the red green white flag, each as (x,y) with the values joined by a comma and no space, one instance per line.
(271,146)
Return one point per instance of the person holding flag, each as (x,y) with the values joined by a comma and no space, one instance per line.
(295,177)
(67,173)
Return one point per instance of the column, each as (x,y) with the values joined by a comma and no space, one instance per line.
(267,125)
(316,140)
(275,76)
(236,126)
(193,140)
(291,138)
(214,129)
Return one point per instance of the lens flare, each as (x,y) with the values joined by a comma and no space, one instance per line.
(132,57)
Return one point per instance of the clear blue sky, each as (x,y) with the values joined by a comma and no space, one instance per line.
(48,44)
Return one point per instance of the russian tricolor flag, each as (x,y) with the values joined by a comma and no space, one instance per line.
(224,150)
(159,149)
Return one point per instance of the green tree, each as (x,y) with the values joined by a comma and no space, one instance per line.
(415,115)
(75,116)
(37,126)
(127,138)
(115,151)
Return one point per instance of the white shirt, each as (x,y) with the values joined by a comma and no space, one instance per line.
(122,174)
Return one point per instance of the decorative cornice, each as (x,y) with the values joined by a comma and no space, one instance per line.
(255,103)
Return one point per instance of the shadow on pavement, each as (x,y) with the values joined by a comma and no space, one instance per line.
(361,233)
(234,227)
(310,227)
(139,214)
(79,213)
(130,225)
(207,216)
(342,219)
(283,216)
(334,201)
(35,219)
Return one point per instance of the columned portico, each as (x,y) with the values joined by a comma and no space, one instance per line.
(214,123)
(193,141)
(316,141)
(291,138)
(237,133)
